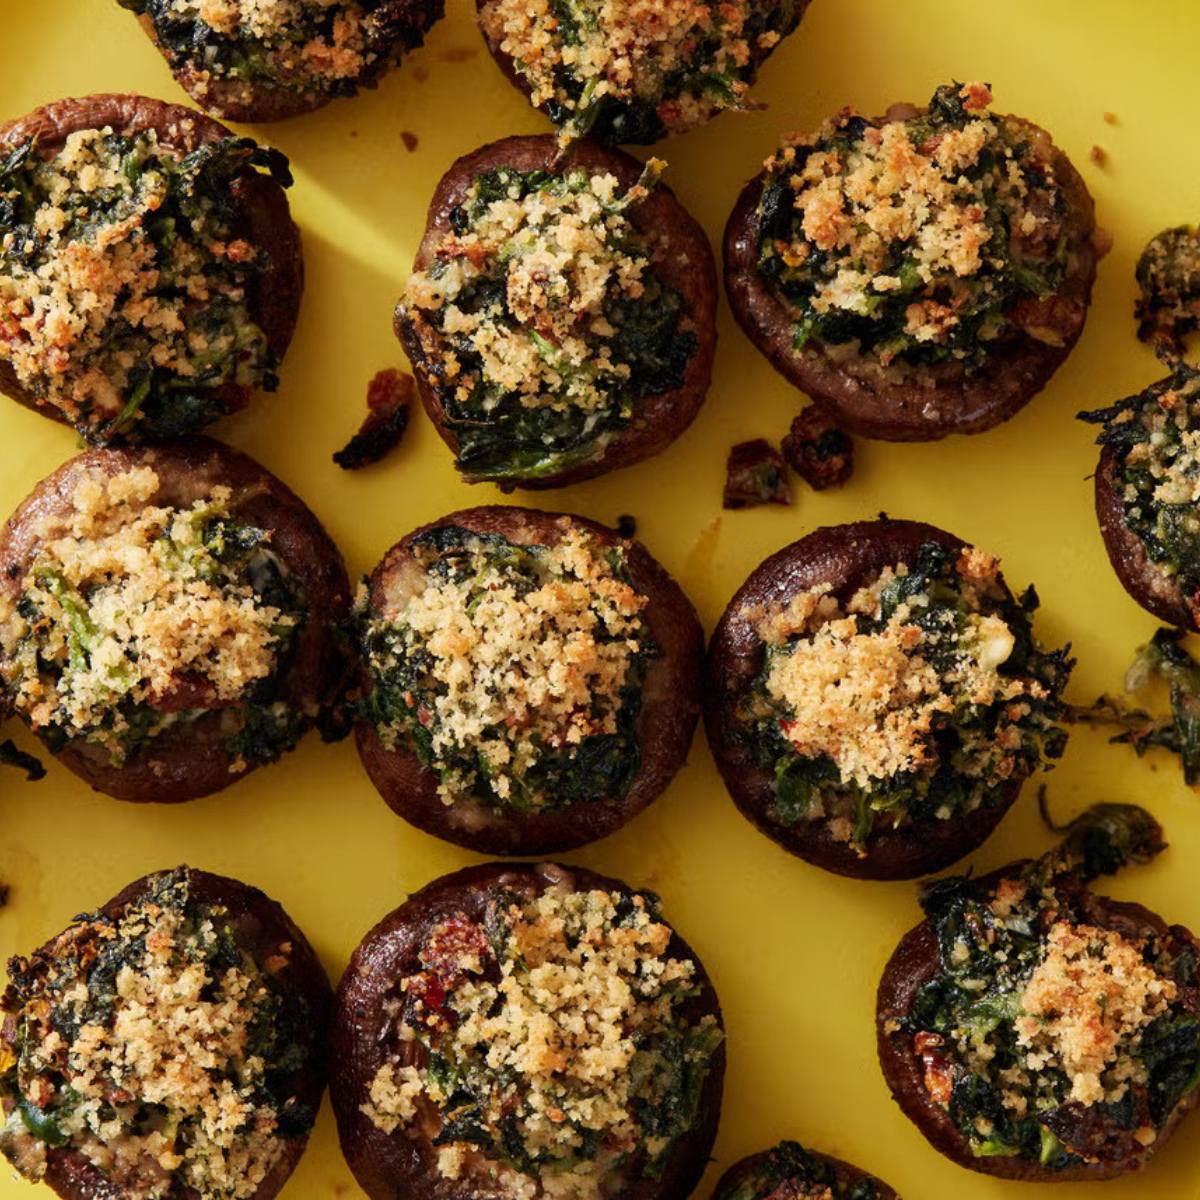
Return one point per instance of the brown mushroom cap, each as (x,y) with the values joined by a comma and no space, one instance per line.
(508,66)
(1155,590)
(664,726)
(914,962)
(190,760)
(902,403)
(400,1167)
(274,296)
(681,258)
(847,557)
(261,927)
(848,1175)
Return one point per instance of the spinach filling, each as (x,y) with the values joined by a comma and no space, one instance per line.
(585,364)
(704,78)
(72,1009)
(208,545)
(790,1172)
(969,1025)
(469,735)
(309,46)
(170,344)
(970,750)
(1153,434)
(948,280)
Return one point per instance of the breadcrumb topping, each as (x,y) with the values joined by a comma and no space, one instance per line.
(921,231)
(560,1036)
(868,700)
(136,1042)
(127,610)
(683,59)
(308,45)
(95,290)
(1085,1006)
(565,255)
(513,665)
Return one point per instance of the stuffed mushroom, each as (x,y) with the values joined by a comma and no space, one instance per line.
(1036,1031)
(532,680)
(1146,485)
(150,271)
(876,697)
(791,1172)
(919,275)
(634,72)
(244,60)
(168,618)
(526,1031)
(170,1043)
(560,318)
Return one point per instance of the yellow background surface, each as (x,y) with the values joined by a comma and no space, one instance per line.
(795,952)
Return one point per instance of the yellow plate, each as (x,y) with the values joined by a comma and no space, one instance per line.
(795,952)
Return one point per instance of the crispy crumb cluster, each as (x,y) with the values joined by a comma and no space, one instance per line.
(551,1041)
(924,238)
(542,319)
(1053,1031)
(634,70)
(915,698)
(514,670)
(124,283)
(134,616)
(314,47)
(143,1042)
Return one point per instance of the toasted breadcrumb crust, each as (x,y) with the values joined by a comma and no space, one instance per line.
(1085,1007)
(554,1027)
(125,605)
(684,59)
(565,256)
(868,700)
(87,265)
(150,1071)
(309,46)
(919,221)
(510,671)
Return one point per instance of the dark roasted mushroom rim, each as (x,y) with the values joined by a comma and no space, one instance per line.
(127,281)
(318,49)
(149,1040)
(790,1172)
(1056,1030)
(139,618)
(621,73)
(917,698)
(1154,438)
(514,671)
(926,238)
(542,322)
(553,1034)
